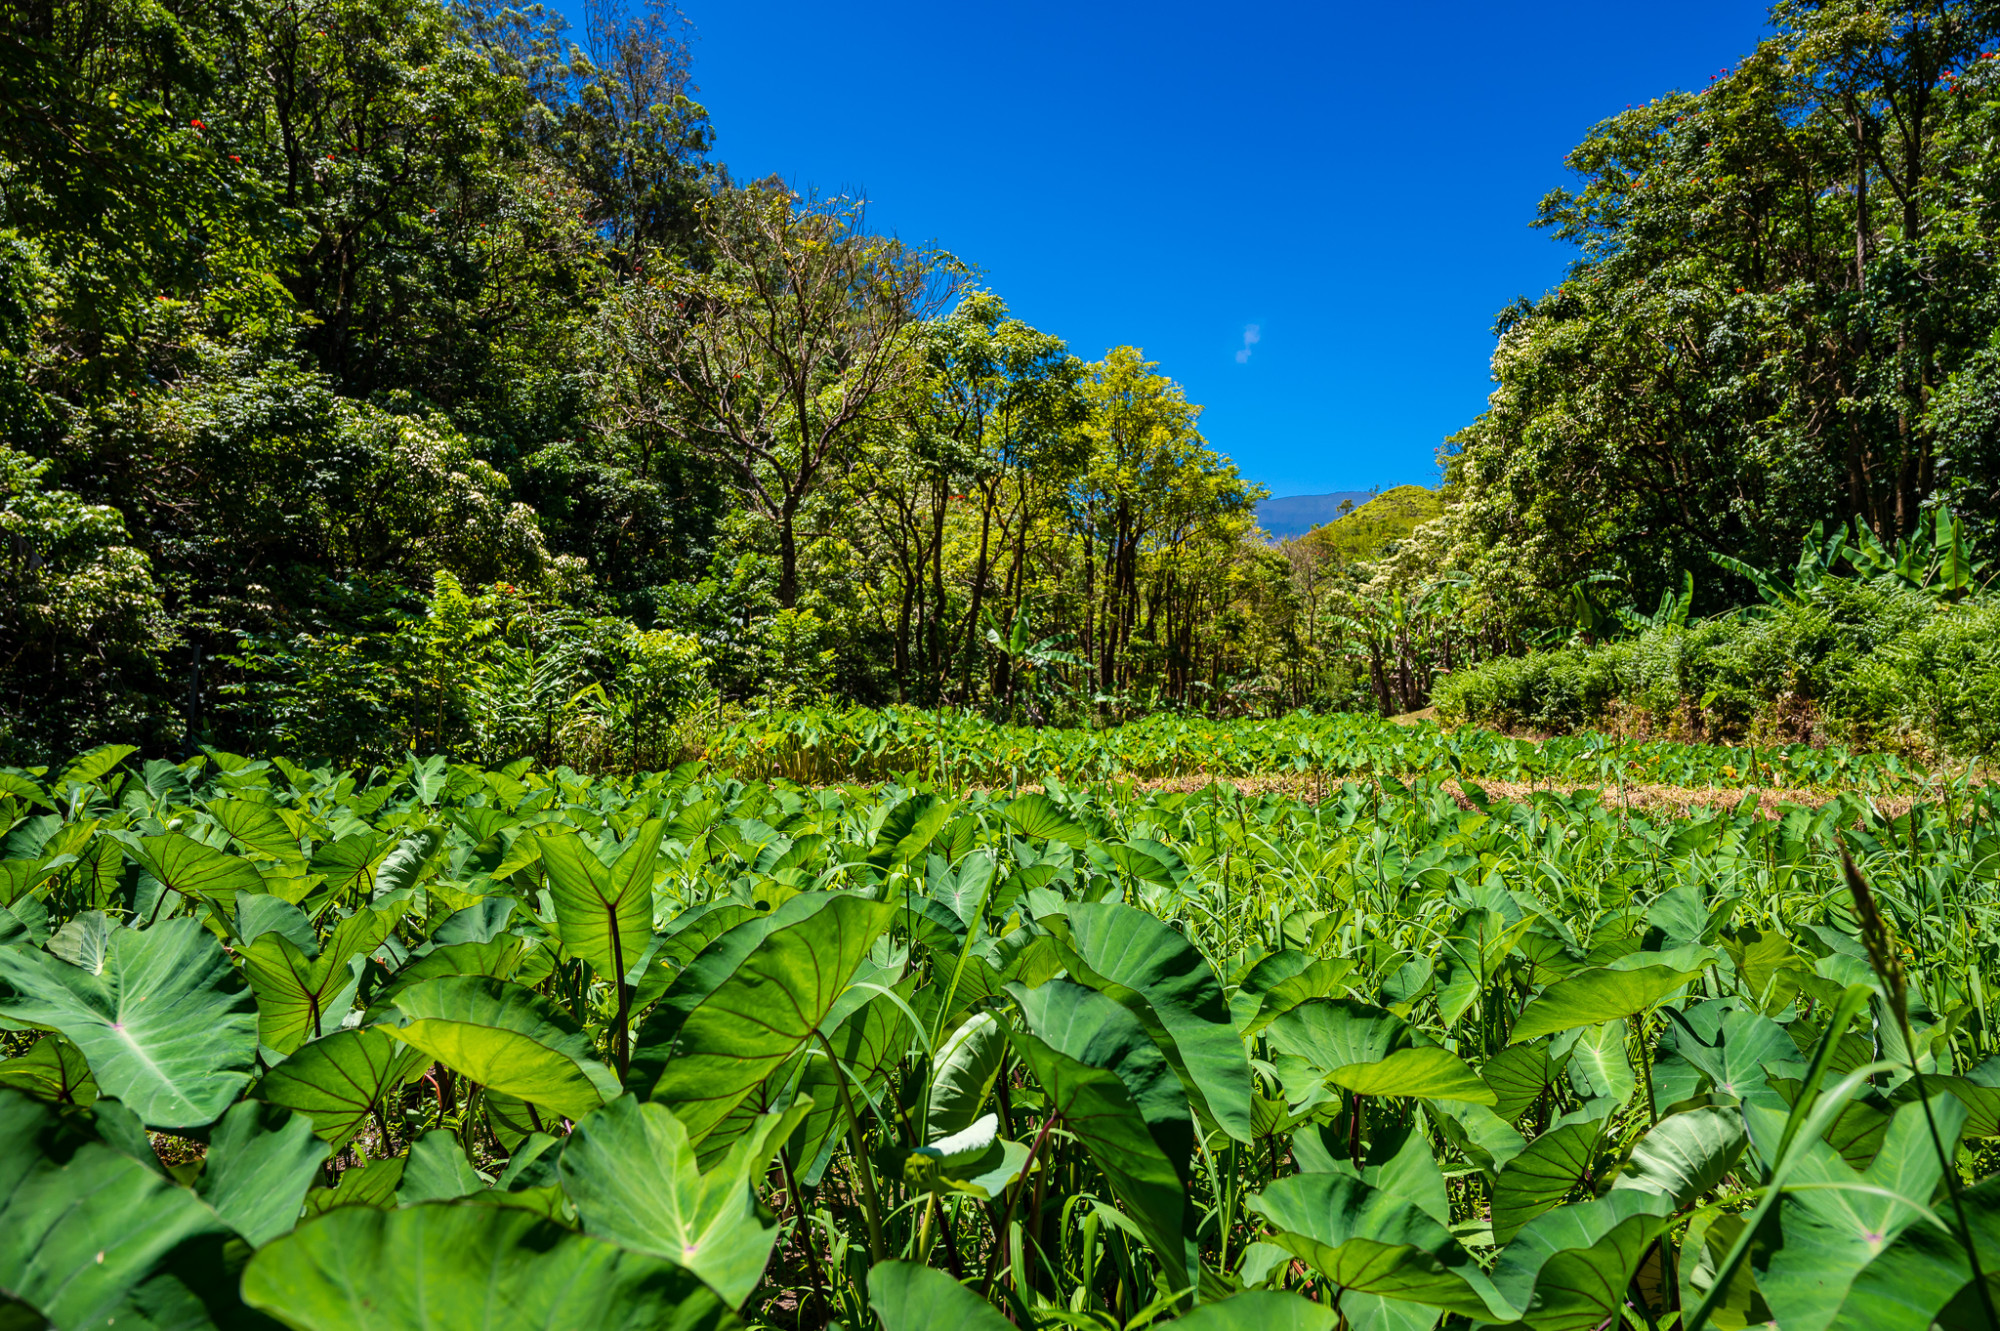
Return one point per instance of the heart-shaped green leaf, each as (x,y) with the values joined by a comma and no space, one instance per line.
(1601,994)
(166,1026)
(632,1173)
(460,1266)
(505,1036)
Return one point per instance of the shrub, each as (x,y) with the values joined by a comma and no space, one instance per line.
(1863,660)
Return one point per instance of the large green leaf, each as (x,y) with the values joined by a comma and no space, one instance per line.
(436,1170)
(962,1075)
(505,1036)
(187,866)
(1734,1046)
(461,1266)
(720,939)
(1331,1033)
(1036,815)
(1154,972)
(260,1162)
(300,998)
(909,1297)
(167,1026)
(767,1011)
(605,912)
(1260,1310)
(337,1082)
(1837,1220)
(1601,994)
(1518,1074)
(1926,1270)
(1568,1271)
(632,1173)
(53,1069)
(1109,1085)
(1375,1241)
(1686,1154)
(1428,1073)
(80,1223)
(866,1048)
(1542,1175)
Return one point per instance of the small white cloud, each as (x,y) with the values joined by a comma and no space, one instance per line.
(1252,335)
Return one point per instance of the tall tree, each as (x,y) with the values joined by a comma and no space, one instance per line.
(775,356)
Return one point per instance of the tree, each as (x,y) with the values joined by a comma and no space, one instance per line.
(775,357)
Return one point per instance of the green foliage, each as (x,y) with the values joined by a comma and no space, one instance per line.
(1874,662)
(927,1050)
(1376,527)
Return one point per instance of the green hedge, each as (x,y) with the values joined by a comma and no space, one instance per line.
(1867,662)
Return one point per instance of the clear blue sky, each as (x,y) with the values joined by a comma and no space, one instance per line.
(1353,181)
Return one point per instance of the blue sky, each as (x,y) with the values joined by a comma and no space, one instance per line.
(1308,214)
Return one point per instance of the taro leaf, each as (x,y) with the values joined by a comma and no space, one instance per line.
(498,957)
(962,1075)
(909,1297)
(54,1070)
(1599,1066)
(1570,1268)
(962,890)
(260,913)
(300,998)
(350,862)
(261,1162)
(685,938)
(80,1222)
(1036,816)
(1331,1033)
(259,828)
(1431,1074)
(404,865)
(167,1027)
(462,1266)
(1264,1310)
(1152,971)
(1542,1175)
(632,1173)
(505,1036)
(338,1081)
(372,1184)
(1684,1155)
(605,912)
(1281,982)
(85,941)
(1832,1233)
(1925,1270)
(1110,1086)
(1484,1138)
(94,766)
(1592,996)
(481,922)
(717,956)
(1375,1241)
(187,866)
(437,1171)
(767,1011)
(1978,1090)
(1518,1075)
(1735,1047)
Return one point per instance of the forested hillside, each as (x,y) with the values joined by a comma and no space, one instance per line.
(383,377)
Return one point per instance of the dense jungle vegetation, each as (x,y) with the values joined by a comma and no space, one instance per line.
(383,378)
(585,743)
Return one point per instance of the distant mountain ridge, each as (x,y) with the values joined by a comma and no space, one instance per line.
(1294,515)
